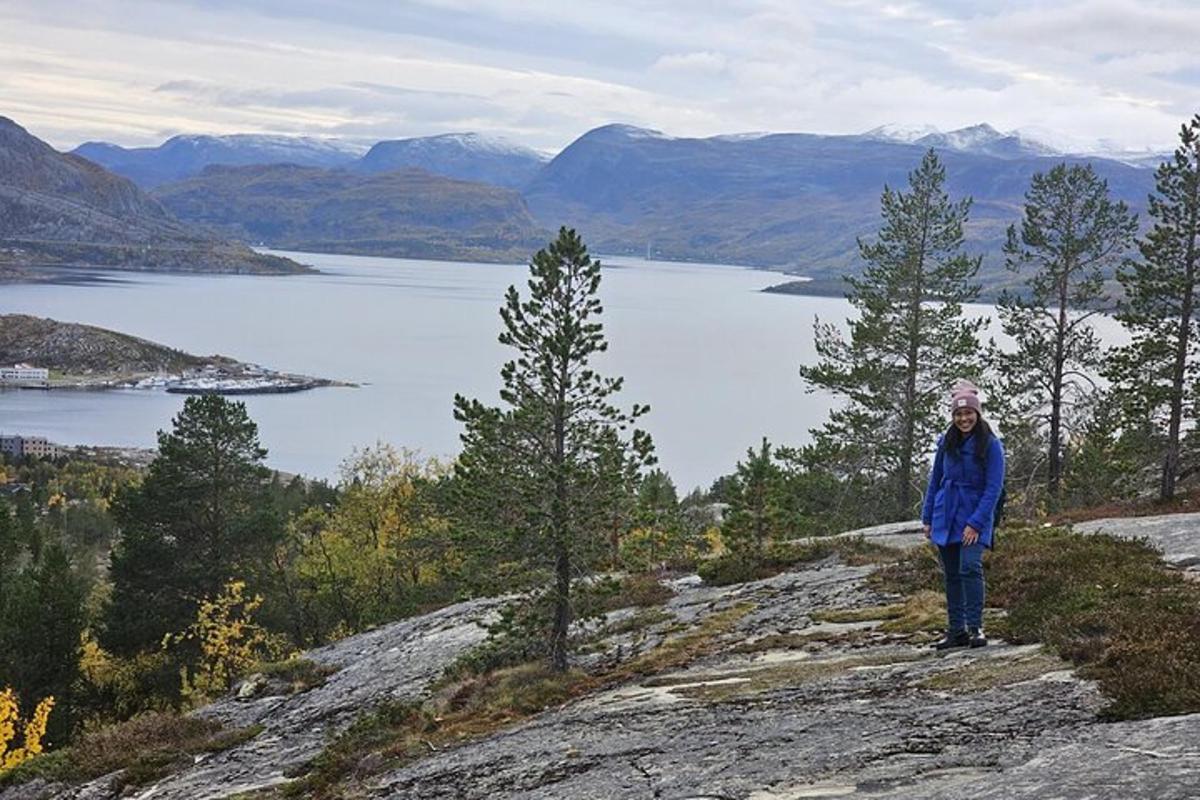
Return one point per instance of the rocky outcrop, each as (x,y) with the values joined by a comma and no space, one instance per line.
(782,704)
(395,662)
(1176,535)
(853,711)
(74,348)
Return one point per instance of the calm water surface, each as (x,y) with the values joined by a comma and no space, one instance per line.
(714,357)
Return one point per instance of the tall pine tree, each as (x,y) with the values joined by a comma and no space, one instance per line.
(1071,238)
(1157,371)
(201,517)
(549,469)
(909,342)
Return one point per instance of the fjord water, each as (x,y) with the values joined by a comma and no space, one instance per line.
(714,357)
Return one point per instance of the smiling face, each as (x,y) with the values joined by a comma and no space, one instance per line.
(965,419)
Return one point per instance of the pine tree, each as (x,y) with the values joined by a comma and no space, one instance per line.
(909,342)
(41,619)
(1157,371)
(754,517)
(1072,236)
(200,518)
(540,471)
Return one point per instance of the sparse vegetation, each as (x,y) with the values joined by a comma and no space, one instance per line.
(468,705)
(1109,606)
(992,673)
(300,673)
(743,566)
(143,749)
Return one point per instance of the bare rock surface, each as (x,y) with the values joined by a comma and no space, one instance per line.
(782,703)
(394,662)
(1176,535)
(839,716)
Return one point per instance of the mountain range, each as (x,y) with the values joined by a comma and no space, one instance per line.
(60,209)
(795,201)
(467,156)
(183,156)
(792,201)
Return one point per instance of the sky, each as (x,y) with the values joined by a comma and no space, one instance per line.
(1087,76)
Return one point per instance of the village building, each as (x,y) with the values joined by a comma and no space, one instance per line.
(24,375)
(23,446)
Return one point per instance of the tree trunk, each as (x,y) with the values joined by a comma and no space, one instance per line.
(562,610)
(908,446)
(1179,369)
(1178,373)
(1054,460)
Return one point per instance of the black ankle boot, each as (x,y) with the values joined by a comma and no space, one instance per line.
(976,638)
(958,638)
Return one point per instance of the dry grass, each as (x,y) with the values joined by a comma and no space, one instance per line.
(990,673)
(145,748)
(740,684)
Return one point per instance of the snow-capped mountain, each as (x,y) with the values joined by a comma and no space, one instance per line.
(981,138)
(1031,140)
(467,156)
(893,132)
(186,155)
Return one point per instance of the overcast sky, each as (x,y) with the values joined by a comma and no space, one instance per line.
(135,72)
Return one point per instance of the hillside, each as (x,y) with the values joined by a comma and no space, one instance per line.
(58,209)
(73,348)
(806,684)
(408,213)
(183,156)
(466,156)
(84,356)
(794,200)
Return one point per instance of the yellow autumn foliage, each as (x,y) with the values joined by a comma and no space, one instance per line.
(32,730)
(230,641)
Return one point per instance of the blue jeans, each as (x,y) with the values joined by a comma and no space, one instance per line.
(962,570)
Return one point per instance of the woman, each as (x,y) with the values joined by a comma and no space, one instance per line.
(960,505)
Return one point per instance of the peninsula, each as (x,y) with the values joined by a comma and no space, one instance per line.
(86,357)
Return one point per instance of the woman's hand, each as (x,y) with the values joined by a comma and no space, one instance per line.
(970,535)
(928,532)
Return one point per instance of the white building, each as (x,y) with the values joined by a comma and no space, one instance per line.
(24,374)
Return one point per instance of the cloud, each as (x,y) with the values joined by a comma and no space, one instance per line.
(705,62)
(544,73)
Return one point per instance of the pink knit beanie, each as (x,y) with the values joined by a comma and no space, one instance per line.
(965,394)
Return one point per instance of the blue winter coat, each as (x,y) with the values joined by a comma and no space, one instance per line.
(962,493)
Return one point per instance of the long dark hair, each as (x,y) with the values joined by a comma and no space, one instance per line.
(983,439)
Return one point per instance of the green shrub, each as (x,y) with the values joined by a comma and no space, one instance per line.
(1108,605)
(302,673)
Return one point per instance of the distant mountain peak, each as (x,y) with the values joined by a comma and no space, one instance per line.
(894,132)
(982,138)
(627,131)
(465,155)
(471,141)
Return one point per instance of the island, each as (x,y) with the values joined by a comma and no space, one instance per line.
(48,354)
